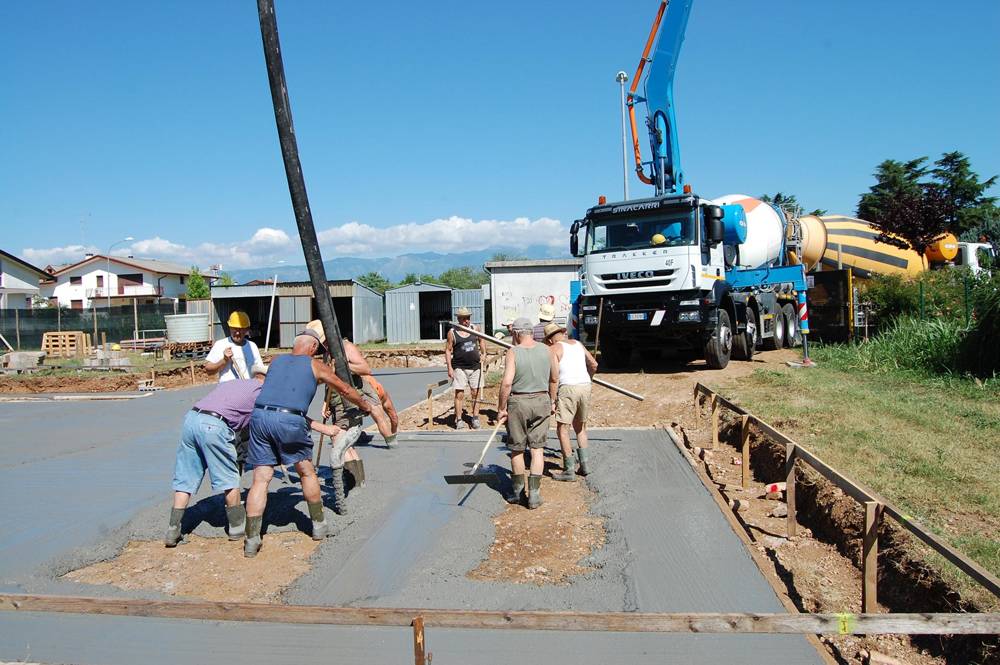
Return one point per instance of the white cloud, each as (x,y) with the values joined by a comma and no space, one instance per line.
(57,255)
(453,234)
(264,247)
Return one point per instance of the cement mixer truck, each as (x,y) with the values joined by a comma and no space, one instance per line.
(678,271)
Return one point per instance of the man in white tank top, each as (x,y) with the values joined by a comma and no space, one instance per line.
(576,367)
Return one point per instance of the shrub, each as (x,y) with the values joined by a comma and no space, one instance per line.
(981,351)
(893,296)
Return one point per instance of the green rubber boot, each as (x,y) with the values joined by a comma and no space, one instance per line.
(517,479)
(581,454)
(339,495)
(534,491)
(356,467)
(321,528)
(174,527)
(237,516)
(253,542)
(568,474)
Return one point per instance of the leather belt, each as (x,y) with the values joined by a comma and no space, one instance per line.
(210,413)
(281,409)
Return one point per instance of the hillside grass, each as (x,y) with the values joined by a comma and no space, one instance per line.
(929,444)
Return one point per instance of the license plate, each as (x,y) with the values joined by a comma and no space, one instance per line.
(637,316)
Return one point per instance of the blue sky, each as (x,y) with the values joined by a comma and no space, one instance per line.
(449,125)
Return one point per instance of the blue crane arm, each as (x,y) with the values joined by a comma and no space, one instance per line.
(658,89)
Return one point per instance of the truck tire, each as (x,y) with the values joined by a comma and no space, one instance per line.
(720,345)
(614,354)
(792,336)
(745,343)
(776,341)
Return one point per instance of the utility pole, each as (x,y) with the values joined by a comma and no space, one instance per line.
(622,78)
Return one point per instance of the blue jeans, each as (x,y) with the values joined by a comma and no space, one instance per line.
(207,444)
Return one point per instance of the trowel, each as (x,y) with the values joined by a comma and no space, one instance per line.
(471,478)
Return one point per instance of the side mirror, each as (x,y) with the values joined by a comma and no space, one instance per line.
(574,241)
(714,228)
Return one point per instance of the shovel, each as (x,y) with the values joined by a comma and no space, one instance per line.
(471,478)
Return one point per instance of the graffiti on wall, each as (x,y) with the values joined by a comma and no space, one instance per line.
(514,305)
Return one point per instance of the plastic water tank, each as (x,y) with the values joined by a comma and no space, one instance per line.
(765,231)
(183,328)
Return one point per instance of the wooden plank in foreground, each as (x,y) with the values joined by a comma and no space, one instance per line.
(632,622)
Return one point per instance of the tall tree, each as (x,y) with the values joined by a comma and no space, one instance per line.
(966,205)
(463,278)
(375,281)
(907,213)
(225,279)
(197,287)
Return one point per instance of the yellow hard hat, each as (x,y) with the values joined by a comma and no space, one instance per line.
(658,239)
(116,347)
(238,320)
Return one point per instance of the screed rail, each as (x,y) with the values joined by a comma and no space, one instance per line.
(628,622)
(874,505)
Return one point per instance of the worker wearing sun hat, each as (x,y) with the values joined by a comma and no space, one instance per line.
(576,369)
(546,313)
(279,430)
(233,356)
(464,353)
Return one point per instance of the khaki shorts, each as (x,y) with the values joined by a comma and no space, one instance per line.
(466,378)
(528,421)
(572,404)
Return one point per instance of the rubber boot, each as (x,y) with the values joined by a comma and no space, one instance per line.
(534,491)
(174,527)
(390,441)
(321,528)
(517,479)
(581,454)
(237,516)
(341,443)
(253,542)
(568,474)
(339,496)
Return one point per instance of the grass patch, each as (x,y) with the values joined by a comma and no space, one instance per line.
(928,443)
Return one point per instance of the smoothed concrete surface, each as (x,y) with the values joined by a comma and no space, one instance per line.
(407,541)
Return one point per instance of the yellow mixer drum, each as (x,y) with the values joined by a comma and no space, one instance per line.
(852,244)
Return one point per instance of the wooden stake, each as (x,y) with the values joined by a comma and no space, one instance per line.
(745,449)
(152,377)
(192,372)
(715,421)
(790,521)
(419,658)
(104,341)
(869,560)
(430,407)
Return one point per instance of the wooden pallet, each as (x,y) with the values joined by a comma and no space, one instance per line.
(71,344)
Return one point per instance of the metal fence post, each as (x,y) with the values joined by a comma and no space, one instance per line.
(968,308)
(921,283)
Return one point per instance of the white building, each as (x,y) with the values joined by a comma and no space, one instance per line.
(19,282)
(95,280)
(520,288)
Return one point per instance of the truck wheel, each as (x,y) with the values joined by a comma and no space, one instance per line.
(792,335)
(776,341)
(745,343)
(719,347)
(614,354)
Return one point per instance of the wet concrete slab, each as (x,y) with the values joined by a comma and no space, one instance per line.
(407,541)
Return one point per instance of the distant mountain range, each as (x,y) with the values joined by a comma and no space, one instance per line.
(392,268)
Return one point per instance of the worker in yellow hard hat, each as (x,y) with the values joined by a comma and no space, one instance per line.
(233,356)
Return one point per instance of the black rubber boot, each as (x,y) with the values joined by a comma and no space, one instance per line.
(237,516)
(568,474)
(174,527)
(534,491)
(321,528)
(581,454)
(339,496)
(518,481)
(253,542)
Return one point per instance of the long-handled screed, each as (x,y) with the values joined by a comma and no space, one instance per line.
(472,478)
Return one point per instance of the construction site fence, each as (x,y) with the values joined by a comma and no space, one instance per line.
(23,328)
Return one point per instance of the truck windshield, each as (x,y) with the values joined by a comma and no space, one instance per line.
(649,232)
